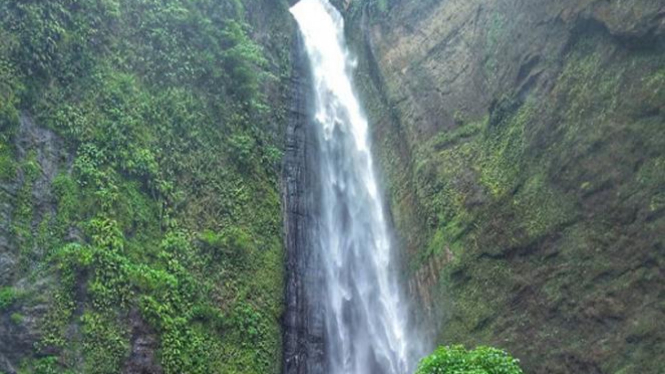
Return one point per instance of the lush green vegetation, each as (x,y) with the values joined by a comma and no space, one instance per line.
(164,187)
(458,360)
(7,297)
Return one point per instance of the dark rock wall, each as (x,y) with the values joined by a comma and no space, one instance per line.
(522,144)
(303,326)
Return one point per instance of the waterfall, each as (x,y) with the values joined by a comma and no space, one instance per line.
(364,314)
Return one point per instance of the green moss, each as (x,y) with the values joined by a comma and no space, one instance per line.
(62,302)
(7,162)
(43,365)
(23,210)
(68,203)
(503,151)
(8,296)
(10,88)
(105,344)
(465,131)
(16,318)
(541,208)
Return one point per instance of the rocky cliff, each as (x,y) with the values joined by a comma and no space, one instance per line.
(141,144)
(523,149)
(140,163)
(303,327)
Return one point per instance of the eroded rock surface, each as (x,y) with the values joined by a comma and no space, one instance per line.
(526,138)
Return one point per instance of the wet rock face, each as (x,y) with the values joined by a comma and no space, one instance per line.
(145,342)
(522,144)
(20,330)
(50,155)
(20,321)
(302,322)
(7,265)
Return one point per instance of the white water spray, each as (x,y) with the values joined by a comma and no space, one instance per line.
(365,314)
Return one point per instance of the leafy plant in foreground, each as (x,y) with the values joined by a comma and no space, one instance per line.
(458,360)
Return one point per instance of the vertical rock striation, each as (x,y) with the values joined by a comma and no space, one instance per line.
(303,326)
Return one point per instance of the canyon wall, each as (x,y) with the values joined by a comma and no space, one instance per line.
(523,152)
(140,185)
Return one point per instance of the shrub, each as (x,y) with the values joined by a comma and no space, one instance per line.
(16,318)
(7,297)
(457,360)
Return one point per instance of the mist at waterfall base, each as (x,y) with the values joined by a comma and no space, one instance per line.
(366,329)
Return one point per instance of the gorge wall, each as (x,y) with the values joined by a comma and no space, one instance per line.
(144,207)
(140,185)
(523,151)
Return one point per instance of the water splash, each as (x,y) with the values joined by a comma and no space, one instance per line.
(365,313)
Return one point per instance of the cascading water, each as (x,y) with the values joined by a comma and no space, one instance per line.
(364,313)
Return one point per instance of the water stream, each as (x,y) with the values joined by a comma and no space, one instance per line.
(365,316)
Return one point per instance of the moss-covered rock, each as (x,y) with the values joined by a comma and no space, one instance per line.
(131,133)
(522,145)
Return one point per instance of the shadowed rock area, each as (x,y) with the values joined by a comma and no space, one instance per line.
(302,321)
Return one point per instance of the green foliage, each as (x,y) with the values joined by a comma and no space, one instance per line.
(44,365)
(23,209)
(105,344)
(67,260)
(458,360)
(166,195)
(16,318)
(232,246)
(11,89)
(7,163)
(504,147)
(463,132)
(8,296)
(242,147)
(67,196)
(242,58)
